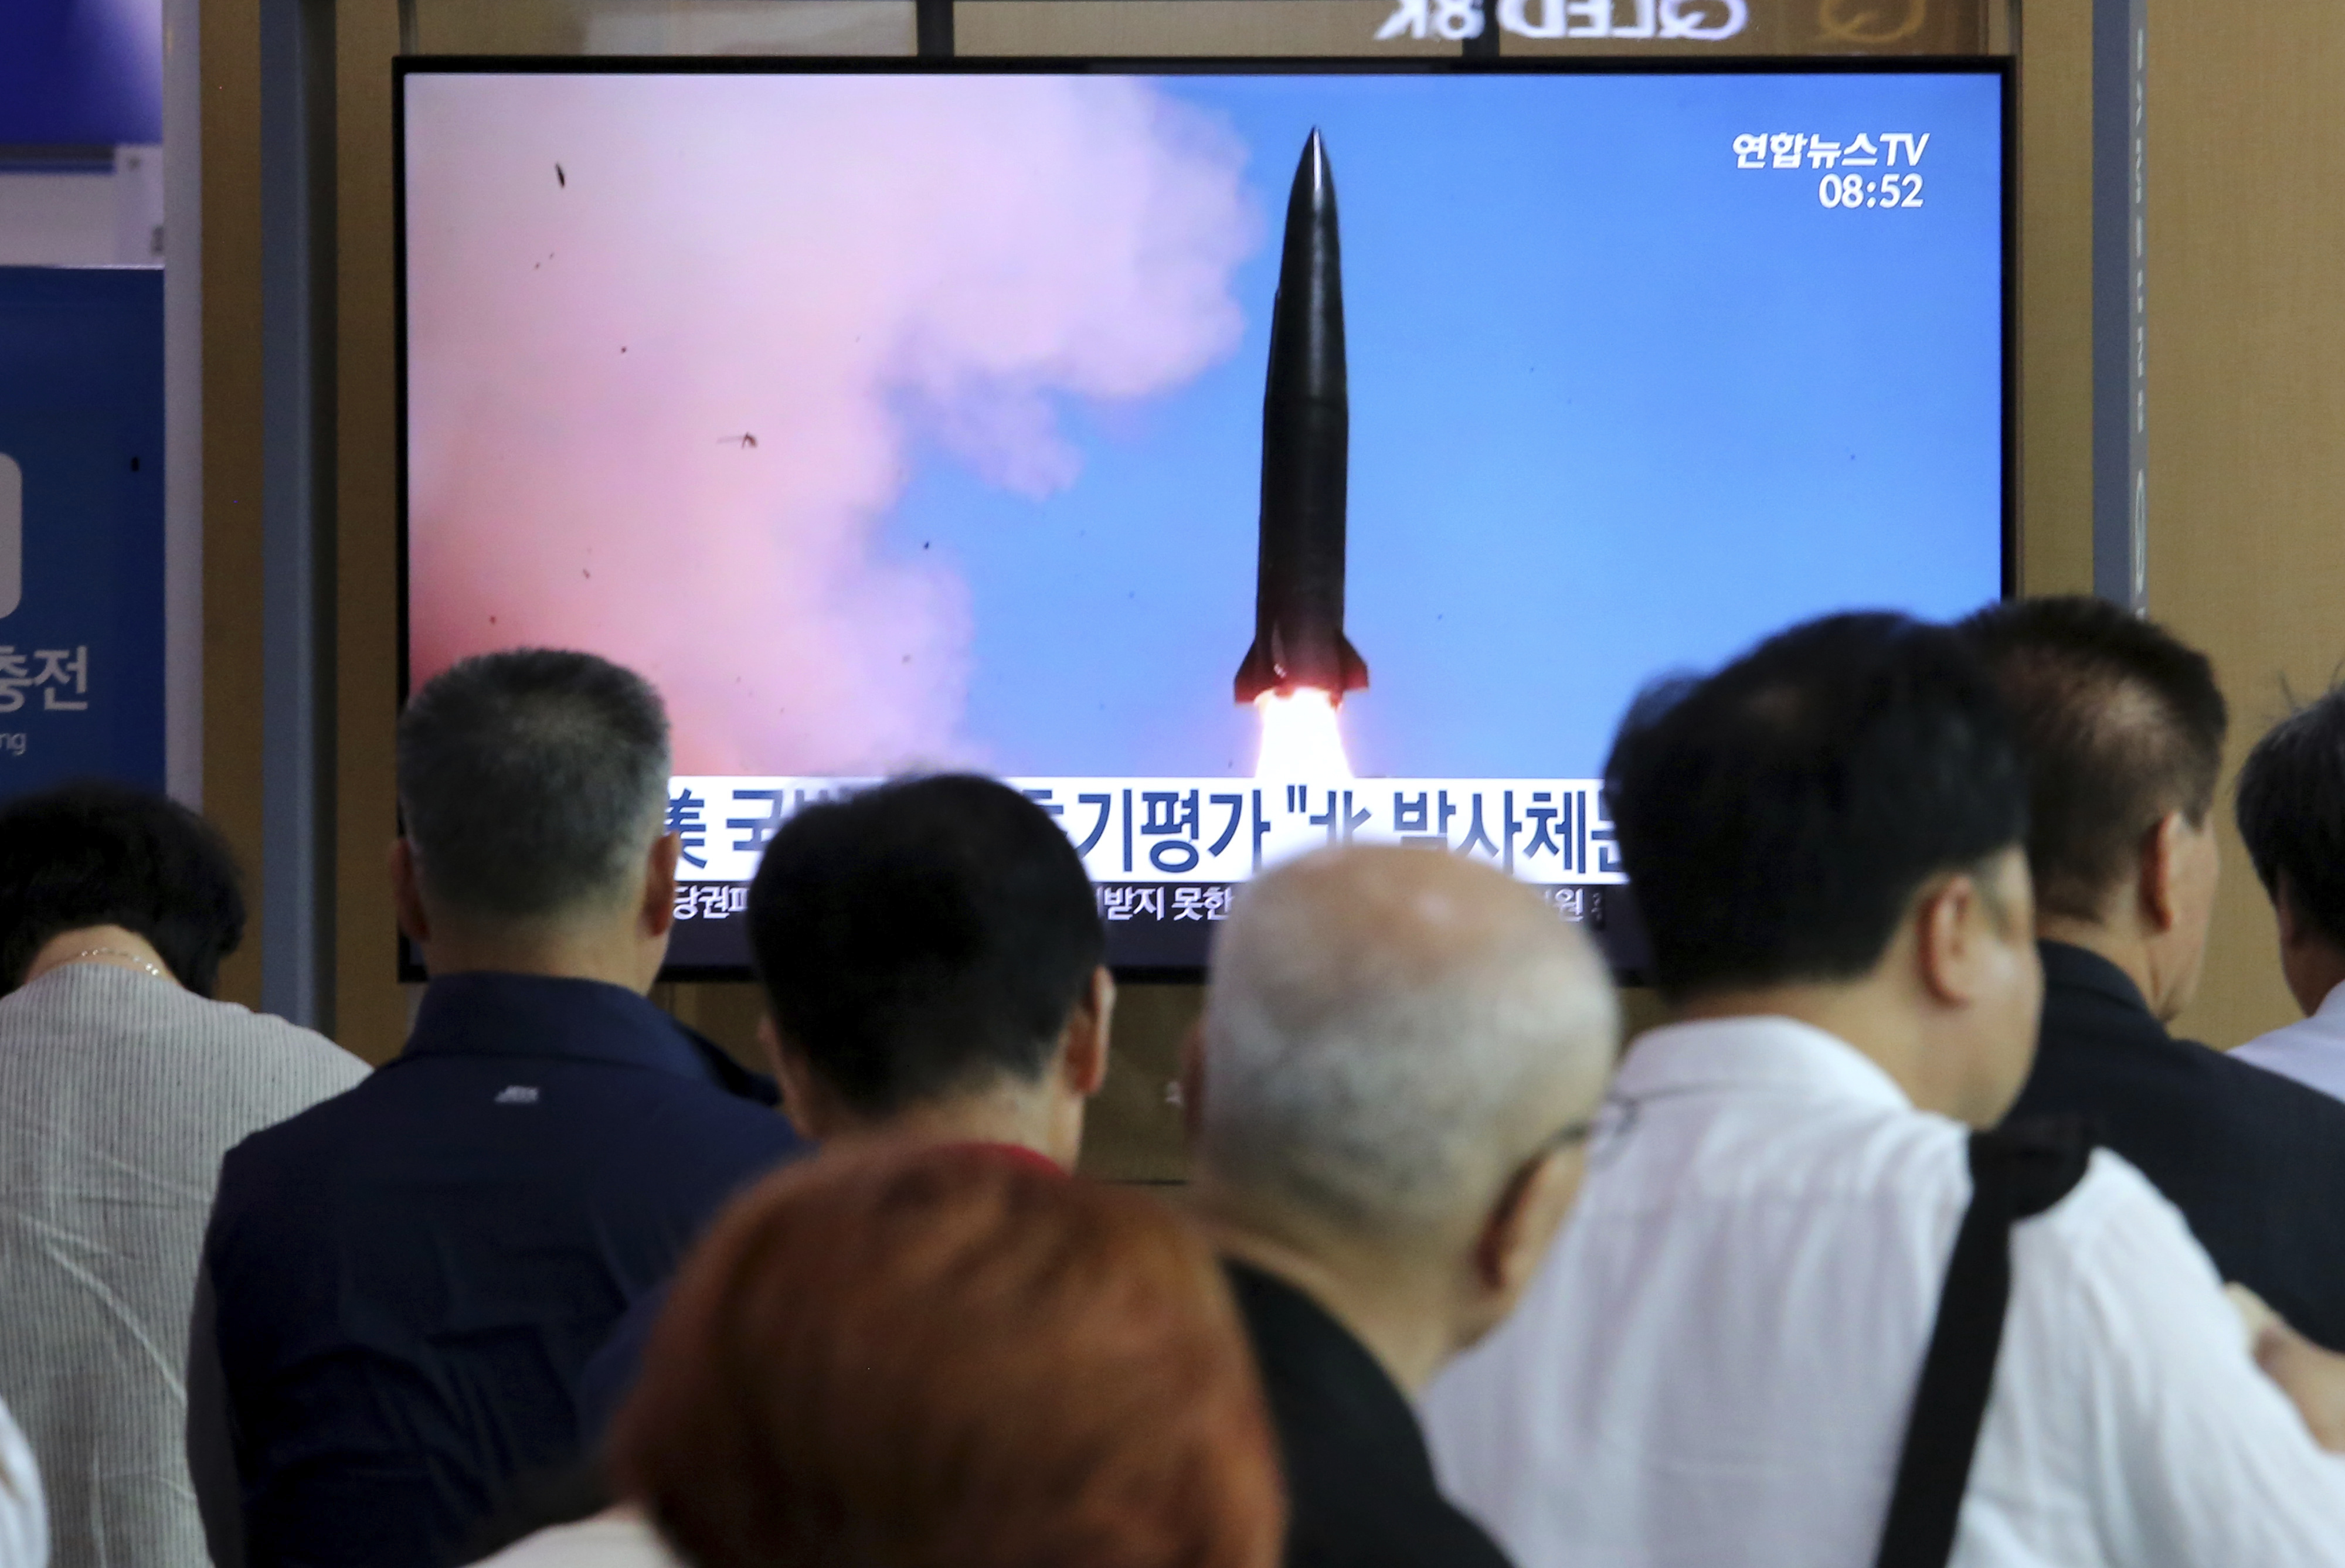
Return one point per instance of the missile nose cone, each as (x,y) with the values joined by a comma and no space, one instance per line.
(1312,194)
(1307,316)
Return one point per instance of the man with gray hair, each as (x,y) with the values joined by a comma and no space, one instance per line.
(401,1285)
(1401,1059)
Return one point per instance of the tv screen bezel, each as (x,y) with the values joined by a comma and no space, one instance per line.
(2002,68)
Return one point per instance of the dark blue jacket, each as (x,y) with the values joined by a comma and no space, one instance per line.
(406,1280)
(2255,1161)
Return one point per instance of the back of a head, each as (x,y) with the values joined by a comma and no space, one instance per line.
(1388,1033)
(922,938)
(2119,723)
(96,853)
(951,1357)
(532,783)
(1777,818)
(2291,812)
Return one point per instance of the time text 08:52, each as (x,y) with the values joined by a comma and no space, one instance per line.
(1855,191)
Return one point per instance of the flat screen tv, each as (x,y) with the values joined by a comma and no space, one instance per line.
(1236,458)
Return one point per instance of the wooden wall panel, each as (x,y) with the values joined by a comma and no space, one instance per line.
(2246,409)
(2055,297)
(370,1012)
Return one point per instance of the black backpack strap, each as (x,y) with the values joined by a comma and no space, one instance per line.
(2017,1170)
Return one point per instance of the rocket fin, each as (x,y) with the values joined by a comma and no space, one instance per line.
(1257,674)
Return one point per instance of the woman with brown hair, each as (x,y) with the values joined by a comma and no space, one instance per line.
(940,1357)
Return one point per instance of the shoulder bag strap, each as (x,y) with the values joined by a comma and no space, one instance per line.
(2017,1170)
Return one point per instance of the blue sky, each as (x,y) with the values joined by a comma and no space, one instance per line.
(1618,408)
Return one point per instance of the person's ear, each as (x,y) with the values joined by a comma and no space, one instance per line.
(1084,1048)
(2161,871)
(2284,913)
(769,1044)
(1953,932)
(407,893)
(1190,1085)
(658,912)
(807,1105)
(1516,1236)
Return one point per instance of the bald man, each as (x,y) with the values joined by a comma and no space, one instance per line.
(1389,1099)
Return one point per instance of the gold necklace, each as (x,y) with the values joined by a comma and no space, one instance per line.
(118,953)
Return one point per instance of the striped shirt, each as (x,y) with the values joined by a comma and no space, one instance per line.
(119,1092)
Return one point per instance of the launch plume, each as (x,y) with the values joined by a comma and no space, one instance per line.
(662,400)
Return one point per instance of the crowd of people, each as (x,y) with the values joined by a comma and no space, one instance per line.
(1912,1238)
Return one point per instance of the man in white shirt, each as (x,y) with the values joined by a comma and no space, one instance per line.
(2291,811)
(1717,1364)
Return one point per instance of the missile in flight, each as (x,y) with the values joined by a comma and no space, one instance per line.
(1305,449)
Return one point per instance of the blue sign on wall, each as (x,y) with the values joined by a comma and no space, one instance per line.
(86,71)
(81,525)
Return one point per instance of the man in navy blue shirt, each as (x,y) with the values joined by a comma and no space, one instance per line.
(401,1285)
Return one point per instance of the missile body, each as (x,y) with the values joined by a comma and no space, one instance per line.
(1305,444)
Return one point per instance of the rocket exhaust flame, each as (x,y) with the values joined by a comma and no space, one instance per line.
(1300,737)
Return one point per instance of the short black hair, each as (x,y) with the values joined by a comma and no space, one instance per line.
(2291,812)
(2119,723)
(923,936)
(531,781)
(1778,817)
(93,853)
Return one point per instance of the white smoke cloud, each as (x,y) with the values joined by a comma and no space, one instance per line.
(832,266)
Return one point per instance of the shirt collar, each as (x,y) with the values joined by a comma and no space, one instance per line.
(2332,1006)
(484,1013)
(1766,1053)
(2081,969)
